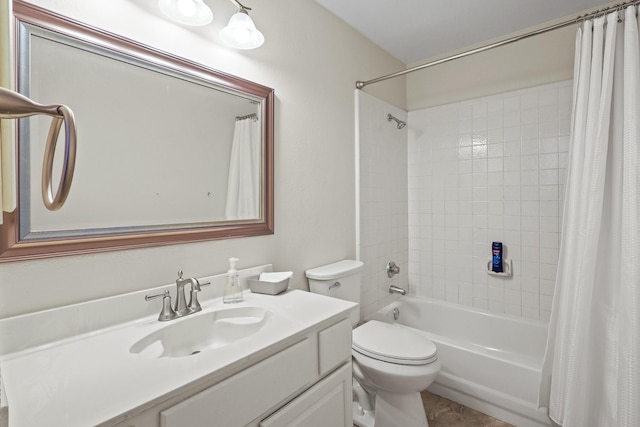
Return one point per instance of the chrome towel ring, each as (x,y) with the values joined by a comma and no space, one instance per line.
(14,105)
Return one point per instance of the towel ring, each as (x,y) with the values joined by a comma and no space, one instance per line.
(52,202)
(14,105)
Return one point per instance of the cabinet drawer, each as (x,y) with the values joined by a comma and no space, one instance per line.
(334,346)
(244,396)
(327,403)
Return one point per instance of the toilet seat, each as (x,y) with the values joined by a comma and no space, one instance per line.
(393,343)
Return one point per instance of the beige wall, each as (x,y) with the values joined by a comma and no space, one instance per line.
(538,60)
(312,60)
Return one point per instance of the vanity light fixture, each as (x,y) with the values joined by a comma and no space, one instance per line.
(187,12)
(241,32)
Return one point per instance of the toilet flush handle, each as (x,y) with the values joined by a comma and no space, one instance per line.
(335,285)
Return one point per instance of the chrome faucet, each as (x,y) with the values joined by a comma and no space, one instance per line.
(194,305)
(181,307)
(392,269)
(396,290)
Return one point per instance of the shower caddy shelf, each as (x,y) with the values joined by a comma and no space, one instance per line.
(507,265)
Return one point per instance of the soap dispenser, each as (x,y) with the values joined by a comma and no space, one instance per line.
(233,291)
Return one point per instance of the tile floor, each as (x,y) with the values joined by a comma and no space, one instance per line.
(443,412)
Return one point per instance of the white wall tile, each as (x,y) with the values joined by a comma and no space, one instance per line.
(508,153)
(387,211)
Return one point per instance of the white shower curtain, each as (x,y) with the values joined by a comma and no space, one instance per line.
(591,371)
(243,188)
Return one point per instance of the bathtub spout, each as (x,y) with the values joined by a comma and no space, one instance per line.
(396,290)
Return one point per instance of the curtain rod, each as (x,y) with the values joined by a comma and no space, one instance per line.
(360,84)
(248,116)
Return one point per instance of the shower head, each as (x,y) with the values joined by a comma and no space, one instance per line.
(400,123)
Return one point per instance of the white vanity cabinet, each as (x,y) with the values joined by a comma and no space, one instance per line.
(294,370)
(307,383)
(327,403)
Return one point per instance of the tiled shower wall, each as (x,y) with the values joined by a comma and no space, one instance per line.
(382,200)
(483,170)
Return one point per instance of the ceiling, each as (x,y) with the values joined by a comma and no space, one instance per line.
(415,30)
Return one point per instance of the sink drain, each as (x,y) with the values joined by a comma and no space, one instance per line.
(195,352)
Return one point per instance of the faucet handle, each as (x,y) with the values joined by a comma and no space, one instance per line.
(194,305)
(392,269)
(167,312)
(197,285)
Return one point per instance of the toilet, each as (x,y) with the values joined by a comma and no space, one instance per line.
(392,363)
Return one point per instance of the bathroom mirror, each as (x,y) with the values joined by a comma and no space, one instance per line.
(168,150)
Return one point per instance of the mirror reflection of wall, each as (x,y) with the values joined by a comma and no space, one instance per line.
(154,149)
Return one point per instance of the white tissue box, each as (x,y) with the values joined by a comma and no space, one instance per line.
(270,288)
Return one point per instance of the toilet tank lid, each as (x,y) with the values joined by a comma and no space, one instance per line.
(335,270)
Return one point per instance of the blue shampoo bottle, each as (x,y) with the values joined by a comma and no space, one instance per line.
(496,263)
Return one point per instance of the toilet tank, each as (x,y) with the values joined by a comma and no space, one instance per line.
(341,280)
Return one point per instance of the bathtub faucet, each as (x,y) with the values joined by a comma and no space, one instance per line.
(396,290)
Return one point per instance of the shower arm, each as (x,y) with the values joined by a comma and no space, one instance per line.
(399,123)
(14,106)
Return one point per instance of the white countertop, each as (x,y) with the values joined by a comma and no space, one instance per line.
(92,378)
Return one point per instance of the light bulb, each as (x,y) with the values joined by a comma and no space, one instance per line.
(242,35)
(187,12)
(187,8)
(241,32)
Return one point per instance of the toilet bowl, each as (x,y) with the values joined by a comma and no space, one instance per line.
(392,363)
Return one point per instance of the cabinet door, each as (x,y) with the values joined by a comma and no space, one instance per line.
(243,397)
(334,346)
(326,404)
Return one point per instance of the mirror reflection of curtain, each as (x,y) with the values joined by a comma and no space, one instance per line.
(243,189)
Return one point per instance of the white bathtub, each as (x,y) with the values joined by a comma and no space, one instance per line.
(490,362)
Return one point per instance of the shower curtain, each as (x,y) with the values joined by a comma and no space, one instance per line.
(243,188)
(591,371)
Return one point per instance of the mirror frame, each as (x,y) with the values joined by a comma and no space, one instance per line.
(12,248)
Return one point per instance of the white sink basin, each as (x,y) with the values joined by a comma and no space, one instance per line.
(201,332)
